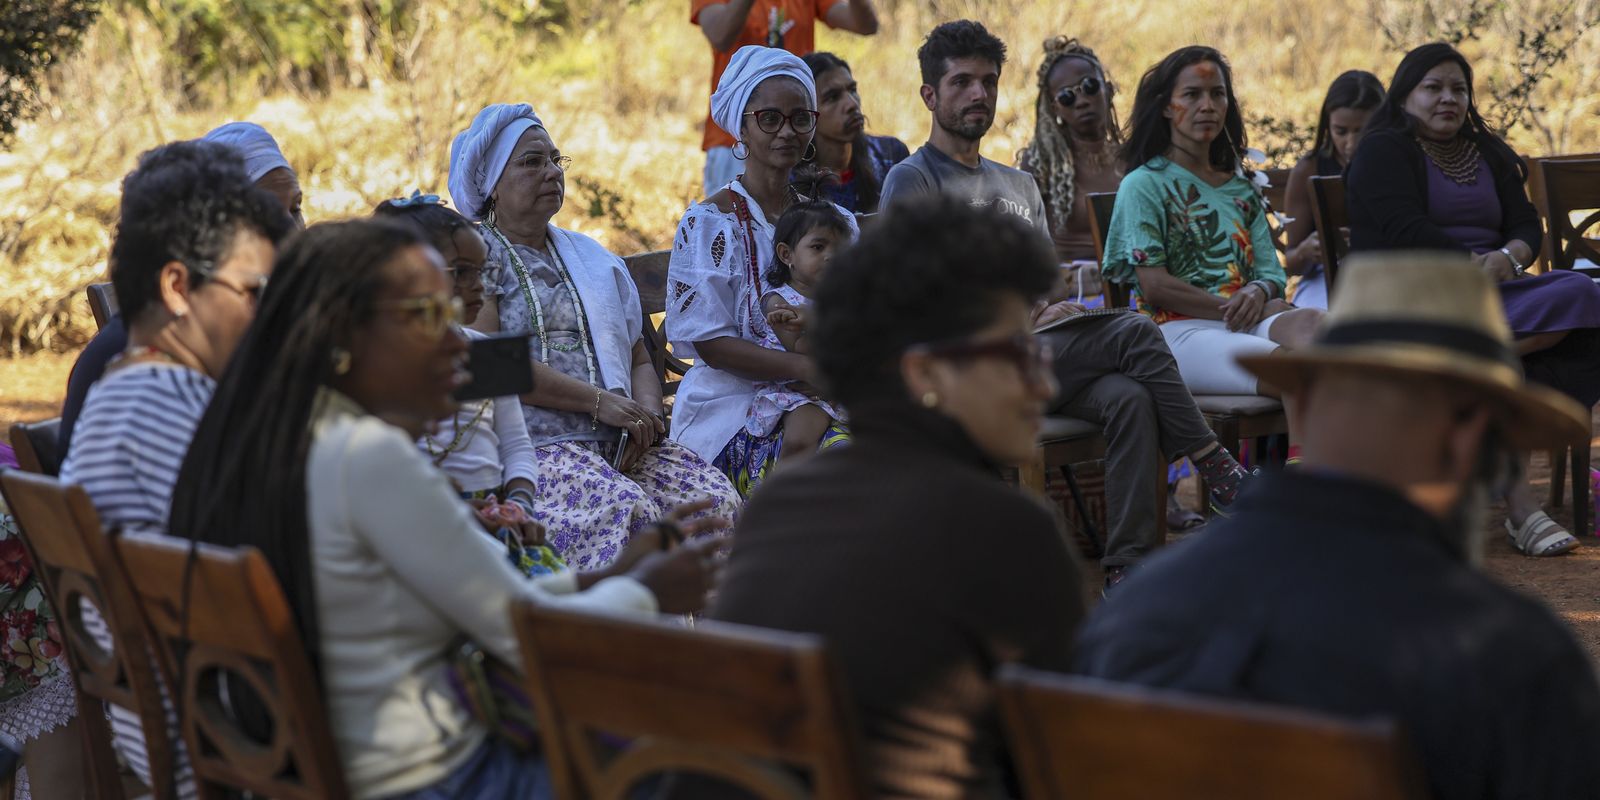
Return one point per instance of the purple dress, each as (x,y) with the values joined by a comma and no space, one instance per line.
(1558,300)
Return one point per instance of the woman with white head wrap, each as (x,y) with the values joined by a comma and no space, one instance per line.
(768,101)
(593,379)
(268,169)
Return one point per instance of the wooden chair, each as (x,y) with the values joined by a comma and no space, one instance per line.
(1277,194)
(1540,197)
(1235,419)
(35,446)
(102,303)
(73,558)
(649,271)
(746,706)
(231,630)
(1330,215)
(1571,185)
(1086,739)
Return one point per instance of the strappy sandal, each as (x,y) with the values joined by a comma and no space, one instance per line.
(1540,536)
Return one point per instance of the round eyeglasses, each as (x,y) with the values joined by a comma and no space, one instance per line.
(1068,96)
(770,120)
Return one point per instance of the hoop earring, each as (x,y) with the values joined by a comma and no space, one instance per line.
(341,361)
(811,151)
(488,214)
(735,150)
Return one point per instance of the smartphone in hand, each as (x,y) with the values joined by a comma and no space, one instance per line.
(500,366)
(622,447)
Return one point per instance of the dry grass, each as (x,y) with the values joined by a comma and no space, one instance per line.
(625,97)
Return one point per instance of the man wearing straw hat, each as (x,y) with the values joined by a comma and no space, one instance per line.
(1350,585)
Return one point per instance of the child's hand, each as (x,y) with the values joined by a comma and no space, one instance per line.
(785,318)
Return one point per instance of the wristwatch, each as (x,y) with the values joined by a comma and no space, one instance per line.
(1515,264)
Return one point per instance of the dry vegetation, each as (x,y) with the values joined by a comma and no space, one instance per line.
(624,94)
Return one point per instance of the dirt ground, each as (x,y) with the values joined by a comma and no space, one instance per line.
(31,388)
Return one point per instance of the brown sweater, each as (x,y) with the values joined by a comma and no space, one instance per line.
(923,571)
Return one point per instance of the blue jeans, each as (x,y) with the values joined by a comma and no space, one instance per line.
(495,771)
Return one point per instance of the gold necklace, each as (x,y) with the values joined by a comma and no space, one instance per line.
(1457,158)
(464,434)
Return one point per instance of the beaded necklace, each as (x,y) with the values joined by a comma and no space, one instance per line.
(532,300)
(463,437)
(1457,158)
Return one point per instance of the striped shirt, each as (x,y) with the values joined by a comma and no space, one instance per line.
(126,451)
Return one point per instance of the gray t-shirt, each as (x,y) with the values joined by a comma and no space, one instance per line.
(990,183)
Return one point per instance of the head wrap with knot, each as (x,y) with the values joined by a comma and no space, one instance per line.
(259,149)
(749,67)
(479,154)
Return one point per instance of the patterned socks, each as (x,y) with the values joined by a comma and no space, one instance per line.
(1222,473)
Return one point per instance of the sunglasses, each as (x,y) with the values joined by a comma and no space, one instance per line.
(1068,95)
(1029,354)
(770,120)
(431,316)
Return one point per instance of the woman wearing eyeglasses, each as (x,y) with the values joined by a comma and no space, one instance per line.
(1075,141)
(767,98)
(594,383)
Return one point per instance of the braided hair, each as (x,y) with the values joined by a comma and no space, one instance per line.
(1049,154)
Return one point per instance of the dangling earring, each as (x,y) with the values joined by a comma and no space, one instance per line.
(341,361)
(811,151)
(930,399)
(736,146)
(488,214)
(1060,121)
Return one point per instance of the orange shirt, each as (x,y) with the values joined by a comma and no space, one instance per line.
(795,31)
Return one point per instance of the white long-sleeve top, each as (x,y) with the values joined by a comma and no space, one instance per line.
(402,570)
(485,445)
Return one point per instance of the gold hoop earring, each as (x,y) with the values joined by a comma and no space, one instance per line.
(930,399)
(341,361)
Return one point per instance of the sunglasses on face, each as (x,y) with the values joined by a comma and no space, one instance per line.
(430,316)
(1068,95)
(770,120)
(1028,354)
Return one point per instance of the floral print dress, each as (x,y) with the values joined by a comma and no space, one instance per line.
(36,693)
(1214,238)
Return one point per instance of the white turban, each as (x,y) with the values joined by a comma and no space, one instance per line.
(749,67)
(260,150)
(479,154)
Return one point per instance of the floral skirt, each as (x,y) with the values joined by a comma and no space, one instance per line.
(590,510)
(36,693)
(748,459)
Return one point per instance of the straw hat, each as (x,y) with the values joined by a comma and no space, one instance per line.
(1435,315)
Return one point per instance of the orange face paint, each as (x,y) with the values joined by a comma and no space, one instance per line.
(1206,70)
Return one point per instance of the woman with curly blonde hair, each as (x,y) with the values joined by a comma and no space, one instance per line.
(1075,140)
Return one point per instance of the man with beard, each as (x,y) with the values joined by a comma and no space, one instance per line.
(961,63)
(1350,586)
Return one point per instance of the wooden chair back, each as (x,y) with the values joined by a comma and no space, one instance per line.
(1277,191)
(742,705)
(1331,216)
(1101,205)
(1093,740)
(1537,193)
(35,446)
(102,303)
(1572,186)
(649,271)
(73,557)
(231,633)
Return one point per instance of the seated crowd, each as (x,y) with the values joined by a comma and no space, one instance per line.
(875,334)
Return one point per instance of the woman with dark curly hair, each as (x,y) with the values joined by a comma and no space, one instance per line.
(923,569)
(1429,174)
(1075,139)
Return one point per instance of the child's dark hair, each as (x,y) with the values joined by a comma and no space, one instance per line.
(436,223)
(811,209)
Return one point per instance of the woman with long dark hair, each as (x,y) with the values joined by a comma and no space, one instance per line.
(843,145)
(1189,234)
(1430,174)
(1351,100)
(307,453)
(1075,139)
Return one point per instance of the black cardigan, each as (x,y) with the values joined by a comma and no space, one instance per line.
(1388,211)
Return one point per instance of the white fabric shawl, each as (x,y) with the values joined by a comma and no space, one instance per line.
(610,304)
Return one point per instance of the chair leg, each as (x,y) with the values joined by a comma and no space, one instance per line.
(1030,475)
(1089,531)
(1581,500)
(1558,476)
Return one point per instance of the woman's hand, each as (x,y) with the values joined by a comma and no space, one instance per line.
(1497,265)
(678,573)
(632,453)
(1245,309)
(1306,253)
(620,412)
(1046,313)
(494,516)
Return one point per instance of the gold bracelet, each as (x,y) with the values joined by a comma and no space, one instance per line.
(595,418)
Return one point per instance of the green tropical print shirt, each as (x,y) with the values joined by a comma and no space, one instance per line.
(1212,237)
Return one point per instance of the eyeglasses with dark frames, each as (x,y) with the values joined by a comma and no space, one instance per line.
(431,315)
(770,120)
(1028,354)
(253,291)
(1068,96)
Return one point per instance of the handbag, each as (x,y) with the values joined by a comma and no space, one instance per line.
(493,694)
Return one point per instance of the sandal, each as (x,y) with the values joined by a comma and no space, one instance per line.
(1540,536)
